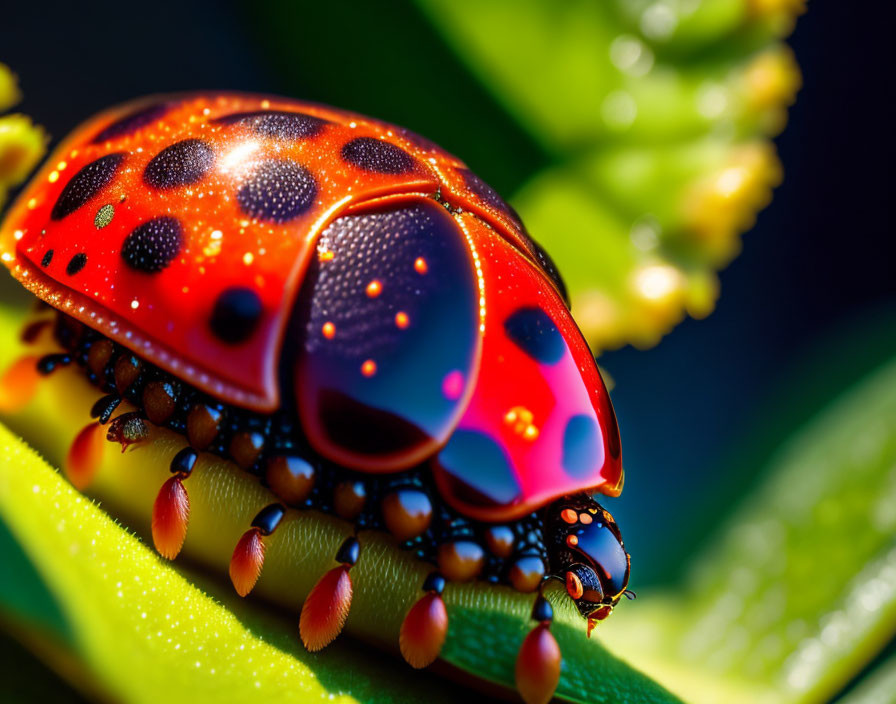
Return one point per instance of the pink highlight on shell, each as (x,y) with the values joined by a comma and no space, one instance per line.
(453,385)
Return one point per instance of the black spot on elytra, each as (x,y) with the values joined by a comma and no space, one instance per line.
(152,246)
(582,449)
(76,263)
(373,154)
(132,122)
(85,184)
(550,268)
(535,333)
(278,190)
(48,257)
(478,469)
(235,315)
(180,164)
(488,194)
(277,123)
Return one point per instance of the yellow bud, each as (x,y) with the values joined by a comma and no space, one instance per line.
(9,90)
(769,84)
(721,205)
(21,147)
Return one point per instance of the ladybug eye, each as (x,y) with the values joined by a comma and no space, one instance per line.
(574,585)
(386,328)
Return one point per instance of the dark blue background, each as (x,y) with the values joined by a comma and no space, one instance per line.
(807,307)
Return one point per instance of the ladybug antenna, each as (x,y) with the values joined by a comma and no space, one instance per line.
(630,595)
(539,658)
(248,555)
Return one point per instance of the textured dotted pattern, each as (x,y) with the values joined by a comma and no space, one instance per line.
(86,184)
(181,164)
(279,190)
(132,122)
(373,154)
(278,124)
(153,245)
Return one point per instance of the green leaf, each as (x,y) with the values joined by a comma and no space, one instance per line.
(133,616)
(798,592)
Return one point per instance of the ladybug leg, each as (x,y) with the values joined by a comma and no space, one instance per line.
(539,658)
(425,626)
(248,555)
(327,606)
(103,409)
(171,510)
(18,384)
(49,363)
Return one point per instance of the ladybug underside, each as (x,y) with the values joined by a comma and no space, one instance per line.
(272,448)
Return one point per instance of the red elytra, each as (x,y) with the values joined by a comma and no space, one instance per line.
(71,249)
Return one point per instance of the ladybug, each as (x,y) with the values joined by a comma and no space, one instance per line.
(345,311)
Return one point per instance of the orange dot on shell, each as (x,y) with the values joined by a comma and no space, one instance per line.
(368,368)
(325,255)
(568,515)
(572,540)
(420,265)
(328,330)
(585,518)
(402,320)
(374,288)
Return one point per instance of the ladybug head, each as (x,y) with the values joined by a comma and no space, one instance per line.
(587,551)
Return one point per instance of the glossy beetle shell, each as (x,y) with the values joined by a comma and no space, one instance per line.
(183,227)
